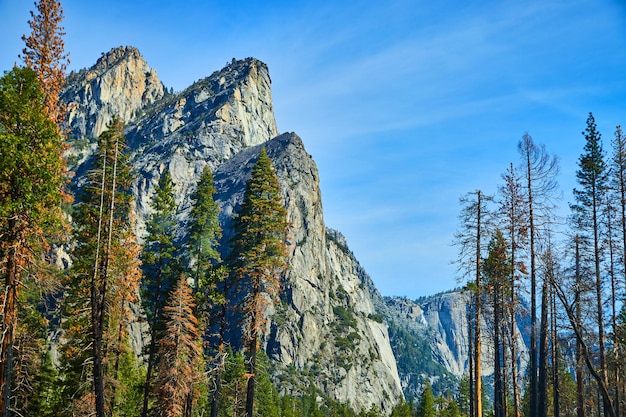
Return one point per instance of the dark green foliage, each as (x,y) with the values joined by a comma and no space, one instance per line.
(378,318)
(208,273)
(258,258)
(464,395)
(131,379)
(46,400)
(204,235)
(450,409)
(345,318)
(426,405)
(402,410)
(31,178)
(161,268)
(104,278)
(413,352)
(233,391)
(159,258)
(268,403)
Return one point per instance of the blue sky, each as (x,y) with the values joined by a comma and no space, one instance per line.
(404,105)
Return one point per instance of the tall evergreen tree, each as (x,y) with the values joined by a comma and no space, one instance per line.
(592,178)
(426,405)
(204,234)
(207,270)
(105,274)
(45,54)
(161,267)
(258,256)
(31,175)
(496,269)
(179,370)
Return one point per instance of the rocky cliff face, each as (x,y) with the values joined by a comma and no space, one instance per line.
(325,325)
(121,83)
(443,321)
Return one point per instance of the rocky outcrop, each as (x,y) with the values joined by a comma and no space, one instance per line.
(121,83)
(325,326)
(325,323)
(442,319)
(206,124)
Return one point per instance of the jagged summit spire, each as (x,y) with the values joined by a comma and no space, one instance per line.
(120,83)
(115,55)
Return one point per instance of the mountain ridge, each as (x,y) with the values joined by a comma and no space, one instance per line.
(222,121)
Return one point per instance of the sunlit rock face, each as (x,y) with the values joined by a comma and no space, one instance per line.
(325,324)
(121,83)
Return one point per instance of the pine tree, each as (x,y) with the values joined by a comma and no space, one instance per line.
(105,274)
(45,54)
(401,410)
(258,256)
(592,178)
(31,175)
(497,269)
(204,231)
(161,266)
(426,405)
(179,370)
(207,269)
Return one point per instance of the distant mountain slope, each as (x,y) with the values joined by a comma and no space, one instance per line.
(429,338)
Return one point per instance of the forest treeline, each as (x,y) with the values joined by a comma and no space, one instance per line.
(571,271)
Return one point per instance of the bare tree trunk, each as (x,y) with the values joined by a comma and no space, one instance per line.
(252,347)
(506,341)
(555,356)
(533,295)
(542,405)
(497,343)
(600,307)
(573,314)
(514,376)
(221,350)
(470,353)
(478,304)
(580,392)
(96,330)
(153,343)
(9,321)
(614,295)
